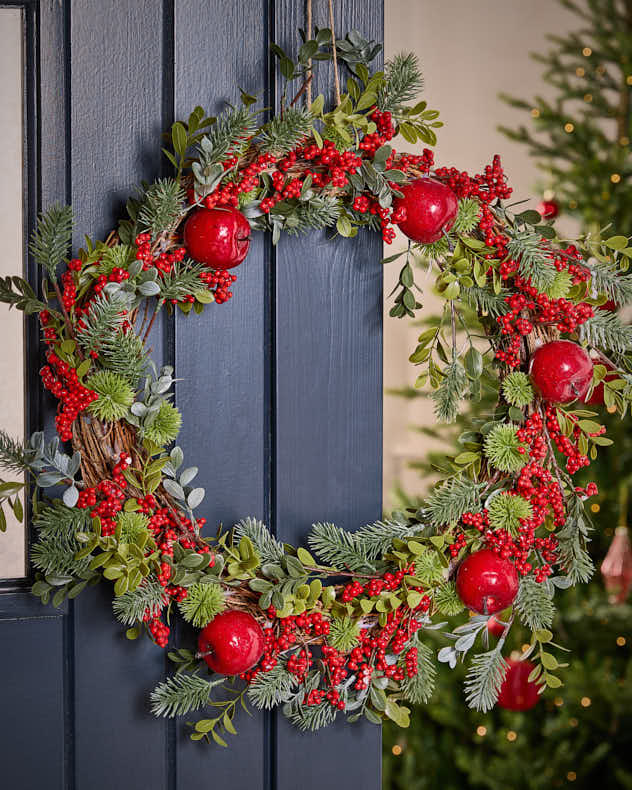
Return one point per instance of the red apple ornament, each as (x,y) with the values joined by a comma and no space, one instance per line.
(517,691)
(231,643)
(431,208)
(561,371)
(548,209)
(486,583)
(218,237)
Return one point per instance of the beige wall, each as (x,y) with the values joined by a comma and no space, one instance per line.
(469,51)
(11,325)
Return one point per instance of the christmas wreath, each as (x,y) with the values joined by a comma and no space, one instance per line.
(342,624)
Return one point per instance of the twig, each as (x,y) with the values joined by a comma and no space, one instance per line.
(334,52)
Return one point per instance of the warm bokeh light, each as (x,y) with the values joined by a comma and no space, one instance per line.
(621,641)
(615,178)
(586,52)
(480,730)
(511,735)
(569,127)
(397,750)
(585,702)
(571,776)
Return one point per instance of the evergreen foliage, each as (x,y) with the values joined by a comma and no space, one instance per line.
(502,448)
(202,604)
(607,280)
(319,212)
(161,207)
(51,241)
(115,395)
(484,679)
(605,330)
(467,217)
(130,607)
(183,280)
(103,320)
(535,604)
(13,456)
(447,601)
(448,502)
(517,389)
(272,688)
(124,353)
(452,389)
(486,301)
(56,546)
(180,694)
(344,633)
(132,526)
(525,246)
(266,545)
(284,132)
(165,426)
(337,547)
(419,688)
(506,511)
(402,84)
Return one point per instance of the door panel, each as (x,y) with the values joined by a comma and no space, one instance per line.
(280,391)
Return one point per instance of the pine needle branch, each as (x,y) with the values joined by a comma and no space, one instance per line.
(51,239)
(485,301)
(272,688)
(180,694)
(266,545)
(319,212)
(13,456)
(104,318)
(608,280)
(606,331)
(161,206)
(534,263)
(130,607)
(419,688)
(451,390)
(484,679)
(403,82)
(338,547)
(284,132)
(448,502)
(534,604)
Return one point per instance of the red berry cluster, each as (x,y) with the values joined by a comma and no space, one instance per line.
(61,379)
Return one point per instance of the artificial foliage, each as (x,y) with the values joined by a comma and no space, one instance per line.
(346,625)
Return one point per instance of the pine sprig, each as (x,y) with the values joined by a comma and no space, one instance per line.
(448,502)
(453,387)
(13,456)
(337,547)
(607,279)
(525,246)
(606,331)
(309,718)
(227,136)
(124,353)
(447,601)
(130,607)
(375,539)
(572,540)
(507,511)
(266,545)
(284,132)
(517,389)
(180,694)
(118,257)
(467,217)
(344,633)
(57,527)
(485,301)
(104,320)
(161,207)
(51,239)
(502,448)
(534,604)
(202,604)
(419,688)
(272,688)
(429,568)
(403,82)
(319,212)
(484,679)
(115,395)
(182,280)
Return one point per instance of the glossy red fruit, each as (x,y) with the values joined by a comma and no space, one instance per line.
(486,583)
(517,691)
(231,643)
(548,209)
(218,237)
(561,371)
(431,208)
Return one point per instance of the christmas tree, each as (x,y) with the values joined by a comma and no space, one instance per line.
(580,734)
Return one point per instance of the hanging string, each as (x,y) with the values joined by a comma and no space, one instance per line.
(335,54)
(309,37)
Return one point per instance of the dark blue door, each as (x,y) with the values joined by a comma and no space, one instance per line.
(280,391)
